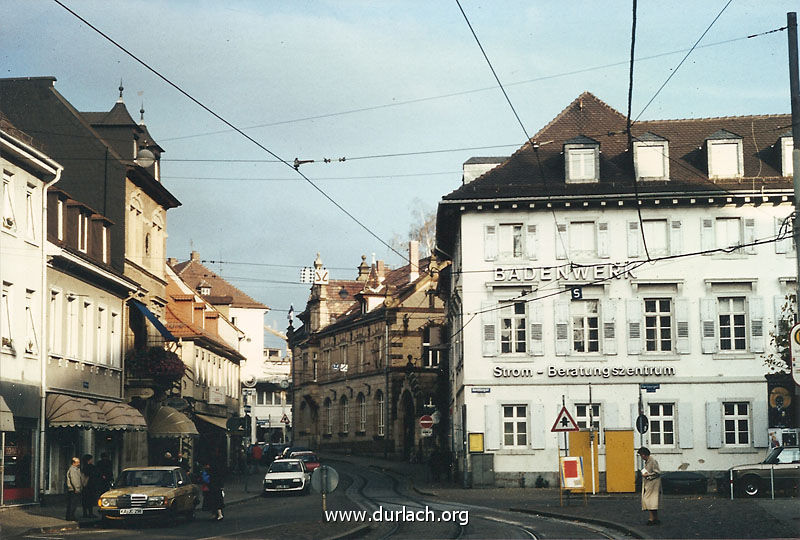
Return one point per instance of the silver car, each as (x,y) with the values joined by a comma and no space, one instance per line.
(782,465)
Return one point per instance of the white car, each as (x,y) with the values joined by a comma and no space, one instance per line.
(287,475)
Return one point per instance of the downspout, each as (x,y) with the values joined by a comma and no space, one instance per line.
(44,331)
(386,421)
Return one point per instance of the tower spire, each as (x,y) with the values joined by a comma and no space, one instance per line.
(121,88)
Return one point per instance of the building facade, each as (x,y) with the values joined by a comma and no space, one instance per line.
(582,270)
(366,361)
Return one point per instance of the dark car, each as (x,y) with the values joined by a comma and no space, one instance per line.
(684,482)
(781,468)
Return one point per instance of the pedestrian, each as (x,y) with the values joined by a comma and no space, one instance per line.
(106,470)
(168,459)
(74,482)
(182,462)
(215,494)
(91,485)
(651,485)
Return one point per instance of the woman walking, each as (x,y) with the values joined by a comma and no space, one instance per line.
(215,493)
(651,486)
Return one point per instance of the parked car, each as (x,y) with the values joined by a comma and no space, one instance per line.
(289,449)
(309,458)
(287,475)
(782,465)
(684,482)
(148,492)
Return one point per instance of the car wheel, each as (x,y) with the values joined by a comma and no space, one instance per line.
(751,486)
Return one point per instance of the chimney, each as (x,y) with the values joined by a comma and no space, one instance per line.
(380,268)
(413,258)
(194,257)
(172,261)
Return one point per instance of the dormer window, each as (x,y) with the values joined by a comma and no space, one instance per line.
(725,155)
(787,145)
(581,160)
(651,157)
(204,288)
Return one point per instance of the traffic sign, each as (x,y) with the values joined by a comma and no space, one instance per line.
(324,479)
(284,419)
(794,340)
(426,421)
(642,423)
(426,432)
(564,422)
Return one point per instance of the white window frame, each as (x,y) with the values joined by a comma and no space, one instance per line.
(576,238)
(60,217)
(656,330)
(513,328)
(30,215)
(362,413)
(102,335)
(643,151)
(578,311)
(430,357)
(87,331)
(104,232)
(740,342)
(6,328)
(732,418)
(787,165)
(716,161)
(515,425)
(31,344)
(83,231)
(582,419)
(662,422)
(343,403)
(73,326)
(328,405)
(56,322)
(657,248)
(576,160)
(381,401)
(8,222)
(511,241)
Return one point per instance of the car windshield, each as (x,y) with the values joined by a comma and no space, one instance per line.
(285,466)
(308,458)
(146,478)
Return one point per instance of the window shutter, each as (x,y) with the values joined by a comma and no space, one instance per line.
(707,240)
(685,426)
(490,242)
(634,319)
(784,245)
(756,305)
(713,425)
(531,242)
(675,238)
(749,236)
(562,240)
(562,327)
(536,346)
(489,325)
(602,240)
(491,426)
(682,342)
(610,412)
(633,239)
(708,325)
(537,426)
(609,313)
(760,439)
(634,414)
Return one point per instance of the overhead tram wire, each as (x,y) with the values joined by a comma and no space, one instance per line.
(232,126)
(528,140)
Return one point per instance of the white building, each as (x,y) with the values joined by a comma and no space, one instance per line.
(551,290)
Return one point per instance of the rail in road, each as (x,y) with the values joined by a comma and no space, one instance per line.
(382,495)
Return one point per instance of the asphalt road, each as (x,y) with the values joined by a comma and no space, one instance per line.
(389,511)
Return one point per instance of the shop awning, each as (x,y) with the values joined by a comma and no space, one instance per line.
(122,416)
(6,416)
(214,420)
(70,411)
(168,422)
(154,320)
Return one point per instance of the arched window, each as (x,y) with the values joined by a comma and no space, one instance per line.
(362,413)
(345,415)
(381,413)
(135,226)
(328,418)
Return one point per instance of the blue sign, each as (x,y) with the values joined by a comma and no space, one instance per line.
(481,390)
(650,387)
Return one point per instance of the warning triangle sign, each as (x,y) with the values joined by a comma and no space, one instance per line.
(564,422)
(285,419)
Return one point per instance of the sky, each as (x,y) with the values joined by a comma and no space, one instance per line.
(399,89)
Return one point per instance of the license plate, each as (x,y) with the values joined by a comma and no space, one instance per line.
(128,511)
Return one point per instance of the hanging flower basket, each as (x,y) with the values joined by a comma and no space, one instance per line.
(164,367)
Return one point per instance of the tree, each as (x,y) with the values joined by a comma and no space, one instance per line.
(780,360)
(422,229)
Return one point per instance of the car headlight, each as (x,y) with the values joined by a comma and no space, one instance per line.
(268,482)
(105,502)
(296,481)
(156,501)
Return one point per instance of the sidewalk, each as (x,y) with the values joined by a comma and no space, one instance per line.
(49,517)
(682,516)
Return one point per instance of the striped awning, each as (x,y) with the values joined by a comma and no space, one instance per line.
(6,416)
(62,410)
(168,422)
(122,416)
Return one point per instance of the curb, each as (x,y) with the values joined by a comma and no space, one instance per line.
(353,533)
(608,524)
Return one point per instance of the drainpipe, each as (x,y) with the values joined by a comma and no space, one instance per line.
(386,420)
(44,345)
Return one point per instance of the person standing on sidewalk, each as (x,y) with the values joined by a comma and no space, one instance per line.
(91,485)
(651,485)
(215,495)
(74,483)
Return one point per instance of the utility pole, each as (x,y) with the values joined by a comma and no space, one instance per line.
(794,86)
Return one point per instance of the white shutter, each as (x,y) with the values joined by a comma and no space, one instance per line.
(708,325)
(760,424)
(490,242)
(749,235)
(610,412)
(633,239)
(536,328)
(491,426)
(531,242)
(562,240)
(634,414)
(756,324)
(682,341)
(707,239)
(784,244)
(602,240)
(562,327)
(538,428)
(634,320)
(685,425)
(713,425)
(675,238)
(608,311)
(489,327)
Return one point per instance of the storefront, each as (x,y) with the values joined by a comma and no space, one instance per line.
(18,440)
(169,430)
